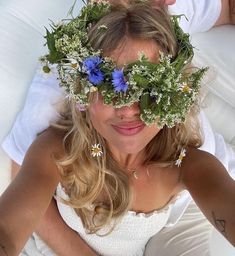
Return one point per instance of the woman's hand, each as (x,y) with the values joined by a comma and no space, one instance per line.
(169,2)
(166,2)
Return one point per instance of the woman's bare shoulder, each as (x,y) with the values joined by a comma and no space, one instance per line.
(197,157)
(47,147)
(50,140)
(200,164)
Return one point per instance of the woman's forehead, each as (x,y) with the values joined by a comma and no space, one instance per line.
(129,51)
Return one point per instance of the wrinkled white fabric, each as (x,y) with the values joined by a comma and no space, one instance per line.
(189,237)
(129,236)
(200,15)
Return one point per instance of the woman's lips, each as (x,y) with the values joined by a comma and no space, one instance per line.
(129,128)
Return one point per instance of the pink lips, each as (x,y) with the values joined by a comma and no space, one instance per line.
(129,128)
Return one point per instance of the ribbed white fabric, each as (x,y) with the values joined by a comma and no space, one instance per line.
(129,236)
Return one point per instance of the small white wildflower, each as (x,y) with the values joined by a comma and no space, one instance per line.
(102,27)
(96,150)
(181,156)
(93,89)
(81,107)
(185,88)
(48,71)
(142,56)
(168,101)
(58,24)
(86,90)
(73,63)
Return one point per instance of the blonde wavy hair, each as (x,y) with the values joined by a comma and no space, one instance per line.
(98,188)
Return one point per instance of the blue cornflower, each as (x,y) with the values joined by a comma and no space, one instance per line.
(120,85)
(91,66)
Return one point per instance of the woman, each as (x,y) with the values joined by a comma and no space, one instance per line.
(126,144)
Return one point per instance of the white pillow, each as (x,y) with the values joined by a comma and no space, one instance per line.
(215,49)
(22,29)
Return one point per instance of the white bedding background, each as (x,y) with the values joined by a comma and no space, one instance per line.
(21,32)
(22,42)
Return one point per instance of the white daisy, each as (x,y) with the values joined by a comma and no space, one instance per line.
(181,156)
(93,89)
(73,63)
(47,71)
(185,88)
(96,150)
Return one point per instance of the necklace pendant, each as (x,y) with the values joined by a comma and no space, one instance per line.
(135,174)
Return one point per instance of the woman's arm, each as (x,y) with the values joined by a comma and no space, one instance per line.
(52,229)
(212,189)
(26,199)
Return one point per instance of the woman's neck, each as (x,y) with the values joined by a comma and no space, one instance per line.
(129,160)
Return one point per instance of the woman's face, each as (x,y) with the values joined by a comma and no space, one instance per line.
(121,127)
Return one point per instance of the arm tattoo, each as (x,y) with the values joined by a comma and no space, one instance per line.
(220,224)
(3,249)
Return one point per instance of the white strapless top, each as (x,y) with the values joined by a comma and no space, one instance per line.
(129,236)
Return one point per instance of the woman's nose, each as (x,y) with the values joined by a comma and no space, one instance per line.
(128,111)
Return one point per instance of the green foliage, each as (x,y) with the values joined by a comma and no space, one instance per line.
(166,90)
(54,56)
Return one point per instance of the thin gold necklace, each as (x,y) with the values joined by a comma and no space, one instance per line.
(135,173)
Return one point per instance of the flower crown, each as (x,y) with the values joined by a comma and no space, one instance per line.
(164,91)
